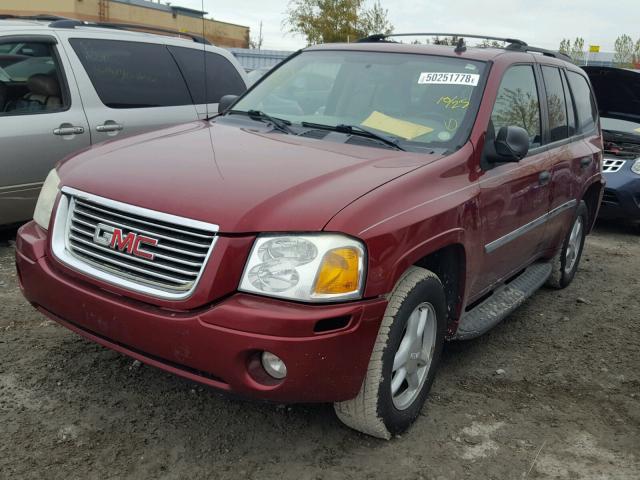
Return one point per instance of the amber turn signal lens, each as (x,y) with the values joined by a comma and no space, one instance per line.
(339,272)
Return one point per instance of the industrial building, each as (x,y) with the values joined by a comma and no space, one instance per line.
(143,12)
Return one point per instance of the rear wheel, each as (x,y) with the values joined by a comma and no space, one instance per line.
(404,358)
(565,263)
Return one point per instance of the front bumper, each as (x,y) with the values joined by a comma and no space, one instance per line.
(199,345)
(621,199)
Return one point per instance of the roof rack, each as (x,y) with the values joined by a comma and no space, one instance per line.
(70,23)
(513,44)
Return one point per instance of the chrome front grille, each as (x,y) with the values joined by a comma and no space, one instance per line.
(612,165)
(136,248)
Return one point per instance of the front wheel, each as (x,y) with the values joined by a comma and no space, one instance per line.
(404,358)
(565,263)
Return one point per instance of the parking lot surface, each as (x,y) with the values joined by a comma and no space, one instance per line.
(552,392)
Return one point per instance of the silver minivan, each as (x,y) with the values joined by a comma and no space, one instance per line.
(66,85)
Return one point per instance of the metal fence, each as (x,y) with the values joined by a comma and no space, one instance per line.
(252,59)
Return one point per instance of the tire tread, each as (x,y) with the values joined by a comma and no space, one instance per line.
(361,412)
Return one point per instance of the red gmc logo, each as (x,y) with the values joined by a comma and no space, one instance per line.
(114,238)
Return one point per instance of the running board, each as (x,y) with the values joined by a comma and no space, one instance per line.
(504,300)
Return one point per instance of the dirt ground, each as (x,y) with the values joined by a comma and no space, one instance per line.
(565,403)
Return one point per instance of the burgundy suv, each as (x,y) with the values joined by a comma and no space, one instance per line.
(321,238)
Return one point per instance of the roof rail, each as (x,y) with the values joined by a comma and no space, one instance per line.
(513,43)
(380,37)
(42,17)
(70,23)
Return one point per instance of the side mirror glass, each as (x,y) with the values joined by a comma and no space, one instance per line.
(225,102)
(511,144)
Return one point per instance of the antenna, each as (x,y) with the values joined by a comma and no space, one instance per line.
(204,64)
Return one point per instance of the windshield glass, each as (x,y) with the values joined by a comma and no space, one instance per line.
(614,124)
(418,99)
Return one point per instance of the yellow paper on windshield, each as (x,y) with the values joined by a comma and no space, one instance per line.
(637,130)
(395,126)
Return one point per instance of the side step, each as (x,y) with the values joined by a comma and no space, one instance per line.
(502,302)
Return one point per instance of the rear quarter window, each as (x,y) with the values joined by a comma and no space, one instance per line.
(222,76)
(132,74)
(556,105)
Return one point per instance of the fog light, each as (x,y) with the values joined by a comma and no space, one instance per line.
(273,365)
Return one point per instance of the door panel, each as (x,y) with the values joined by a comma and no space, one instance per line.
(513,201)
(514,197)
(128,87)
(37,131)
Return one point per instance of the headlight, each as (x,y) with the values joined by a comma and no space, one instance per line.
(308,268)
(47,198)
(635,168)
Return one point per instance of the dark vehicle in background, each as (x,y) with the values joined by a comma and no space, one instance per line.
(617,92)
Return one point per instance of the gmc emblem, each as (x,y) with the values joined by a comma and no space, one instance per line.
(114,238)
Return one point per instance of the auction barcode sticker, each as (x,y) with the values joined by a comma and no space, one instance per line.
(444,78)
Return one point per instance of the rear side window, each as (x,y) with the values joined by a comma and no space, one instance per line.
(571,114)
(518,103)
(222,76)
(556,105)
(132,74)
(585,106)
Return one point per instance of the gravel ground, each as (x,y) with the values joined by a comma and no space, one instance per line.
(552,392)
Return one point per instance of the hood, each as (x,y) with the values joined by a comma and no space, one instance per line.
(617,92)
(242,179)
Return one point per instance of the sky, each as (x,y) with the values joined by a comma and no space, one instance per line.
(541,23)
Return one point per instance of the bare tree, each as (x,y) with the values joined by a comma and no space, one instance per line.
(577,50)
(565,46)
(624,49)
(325,21)
(256,42)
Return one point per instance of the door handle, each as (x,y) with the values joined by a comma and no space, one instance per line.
(109,126)
(544,177)
(68,129)
(585,162)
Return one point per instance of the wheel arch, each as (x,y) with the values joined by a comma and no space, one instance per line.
(592,197)
(449,264)
(446,256)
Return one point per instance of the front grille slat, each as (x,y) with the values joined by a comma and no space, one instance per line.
(139,230)
(115,262)
(197,265)
(175,263)
(131,257)
(144,222)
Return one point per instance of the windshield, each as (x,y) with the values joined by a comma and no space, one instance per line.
(614,124)
(417,99)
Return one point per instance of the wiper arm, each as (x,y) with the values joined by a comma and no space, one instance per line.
(278,123)
(358,130)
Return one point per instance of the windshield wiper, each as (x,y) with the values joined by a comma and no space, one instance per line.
(278,123)
(357,130)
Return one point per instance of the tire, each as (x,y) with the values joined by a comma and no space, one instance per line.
(376,411)
(565,263)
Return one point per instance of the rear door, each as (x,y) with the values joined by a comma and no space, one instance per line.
(128,86)
(574,156)
(41,120)
(514,197)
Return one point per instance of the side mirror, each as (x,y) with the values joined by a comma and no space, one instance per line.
(511,145)
(225,102)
